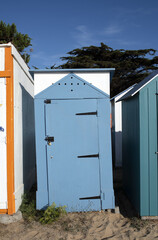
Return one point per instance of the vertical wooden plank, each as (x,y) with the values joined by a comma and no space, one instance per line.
(105,154)
(153,149)
(42,184)
(144,152)
(10,130)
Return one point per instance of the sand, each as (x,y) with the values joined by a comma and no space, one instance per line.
(89,226)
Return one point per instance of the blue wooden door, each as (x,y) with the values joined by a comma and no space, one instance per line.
(73,154)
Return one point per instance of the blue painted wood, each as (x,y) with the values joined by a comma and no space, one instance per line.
(74,135)
(105,154)
(41,163)
(62,177)
(71,87)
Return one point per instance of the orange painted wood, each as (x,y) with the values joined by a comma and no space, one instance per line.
(3,211)
(5,74)
(10,130)
(110,120)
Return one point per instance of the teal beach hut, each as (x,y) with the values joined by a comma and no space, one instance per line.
(140,145)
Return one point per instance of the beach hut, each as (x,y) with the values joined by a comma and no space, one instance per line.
(73,140)
(17,148)
(116,112)
(140,145)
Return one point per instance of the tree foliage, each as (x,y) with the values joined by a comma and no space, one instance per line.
(131,66)
(9,33)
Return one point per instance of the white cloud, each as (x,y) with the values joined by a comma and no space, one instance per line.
(83,36)
(111,30)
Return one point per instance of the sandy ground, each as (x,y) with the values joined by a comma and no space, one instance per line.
(90,226)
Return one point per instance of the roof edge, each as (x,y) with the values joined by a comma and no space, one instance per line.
(139,86)
(74,70)
(124,91)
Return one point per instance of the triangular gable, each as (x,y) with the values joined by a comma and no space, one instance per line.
(140,85)
(71,87)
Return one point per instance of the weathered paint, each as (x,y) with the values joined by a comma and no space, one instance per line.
(73,178)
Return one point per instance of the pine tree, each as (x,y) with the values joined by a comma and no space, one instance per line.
(131,66)
(9,33)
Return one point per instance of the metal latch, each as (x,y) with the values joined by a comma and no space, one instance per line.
(49,139)
(47,101)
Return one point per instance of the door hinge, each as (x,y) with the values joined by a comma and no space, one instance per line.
(156,93)
(47,101)
(89,156)
(87,113)
(86,198)
(102,196)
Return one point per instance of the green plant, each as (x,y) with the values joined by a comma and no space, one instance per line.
(28,206)
(29,212)
(52,213)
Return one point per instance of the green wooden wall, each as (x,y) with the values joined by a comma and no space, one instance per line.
(140,161)
(148,147)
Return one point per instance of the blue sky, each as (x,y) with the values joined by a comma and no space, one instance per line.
(57,27)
